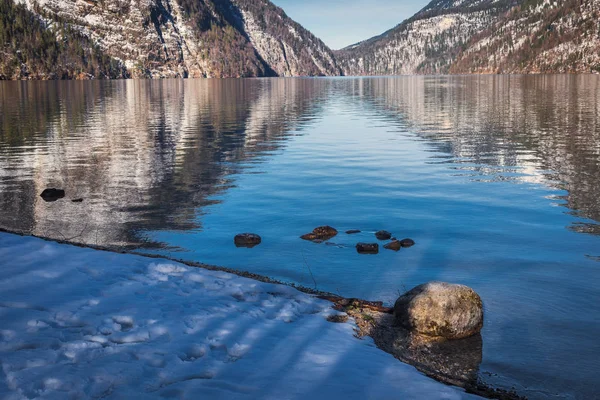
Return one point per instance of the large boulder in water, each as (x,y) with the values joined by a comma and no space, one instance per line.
(440,309)
(247,240)
(320,233)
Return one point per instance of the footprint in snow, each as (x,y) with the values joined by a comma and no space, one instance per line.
(192,353)
(124,321)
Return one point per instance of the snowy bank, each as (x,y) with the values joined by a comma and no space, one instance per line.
(82,323)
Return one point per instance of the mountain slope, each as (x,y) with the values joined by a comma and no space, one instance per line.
(190,38)
(31,49)
(536,37)
(426,43)
(287,47)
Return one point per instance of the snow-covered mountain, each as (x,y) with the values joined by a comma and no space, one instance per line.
(536,37)
(426,43)
(484,36)
(172,38)
(49,39)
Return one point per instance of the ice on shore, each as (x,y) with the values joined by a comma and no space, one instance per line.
(82,323)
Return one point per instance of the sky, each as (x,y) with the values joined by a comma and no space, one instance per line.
(340,23)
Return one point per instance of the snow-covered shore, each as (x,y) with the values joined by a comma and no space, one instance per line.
(83,323)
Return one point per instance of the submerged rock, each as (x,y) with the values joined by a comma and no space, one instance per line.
(320,234)
(367,248)
(407,242)
(383,235)
(352,231)
(52,194)
(440,309)
(394,245)
(248,240)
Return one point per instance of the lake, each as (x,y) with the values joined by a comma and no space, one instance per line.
(496,178)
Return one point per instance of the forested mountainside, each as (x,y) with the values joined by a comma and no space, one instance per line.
(158,38)
(428,42)
(29,48)
(536,37)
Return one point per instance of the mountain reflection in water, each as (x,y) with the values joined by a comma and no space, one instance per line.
(496,178)
(143,155)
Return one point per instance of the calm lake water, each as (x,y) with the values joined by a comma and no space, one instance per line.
(497,179)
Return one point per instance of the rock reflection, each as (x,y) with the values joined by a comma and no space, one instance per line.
(455,362)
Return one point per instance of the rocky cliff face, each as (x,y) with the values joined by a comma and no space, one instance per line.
(288,48)
(485,36)
(191,38)
(426,43)
(536,37)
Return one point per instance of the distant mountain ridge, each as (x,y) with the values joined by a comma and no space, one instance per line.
(83,39)
(484,36)
(428,42)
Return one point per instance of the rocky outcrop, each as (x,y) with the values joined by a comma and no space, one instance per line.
(440,309)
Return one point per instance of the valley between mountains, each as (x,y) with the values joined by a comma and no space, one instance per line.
(109,39)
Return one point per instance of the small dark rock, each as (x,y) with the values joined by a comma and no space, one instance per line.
(407,242)
(248,240)
(338,318)
(394,238)
(367,248)
(394,245)
(352,231)
(52,194)
(383,235)
(321,233)
(77,200)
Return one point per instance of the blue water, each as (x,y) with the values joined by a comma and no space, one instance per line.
(496,179)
